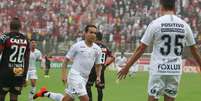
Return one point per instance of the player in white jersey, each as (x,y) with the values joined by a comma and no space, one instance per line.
(35,55)
(121,60)
(169,35)
(84,55)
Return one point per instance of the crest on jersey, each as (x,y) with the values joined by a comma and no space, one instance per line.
(18,71)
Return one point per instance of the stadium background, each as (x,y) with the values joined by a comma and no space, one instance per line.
(57,24)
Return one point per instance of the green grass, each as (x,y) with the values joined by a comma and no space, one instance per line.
(130,89)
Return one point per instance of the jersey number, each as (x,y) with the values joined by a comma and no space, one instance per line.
(103,58)
(178,49)
(18,53)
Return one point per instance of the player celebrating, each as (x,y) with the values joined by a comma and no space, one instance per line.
(106,59)
(84,55)
(169,34)
(14,47)
(35,55)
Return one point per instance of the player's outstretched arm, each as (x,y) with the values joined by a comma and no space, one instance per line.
(135,56)
(196,54)
(64,70)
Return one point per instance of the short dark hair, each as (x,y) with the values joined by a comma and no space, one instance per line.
(15,24)
(99,36)
(168,4)
(88,26)
(33,39)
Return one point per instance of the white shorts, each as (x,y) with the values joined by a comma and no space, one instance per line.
(76,85)
(163,84)
(31,74)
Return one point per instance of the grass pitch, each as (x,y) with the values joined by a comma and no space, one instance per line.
(130,89)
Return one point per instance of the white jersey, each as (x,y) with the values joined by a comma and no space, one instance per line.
(35,55)
(84,57)
(120,61)
(169,35)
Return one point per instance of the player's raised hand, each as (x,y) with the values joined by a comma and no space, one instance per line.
(122,73)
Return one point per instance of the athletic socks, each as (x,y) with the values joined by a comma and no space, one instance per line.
(54,96)
(31,93)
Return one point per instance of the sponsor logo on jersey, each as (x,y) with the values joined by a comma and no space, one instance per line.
(169,67)
(18,41)
(18,71)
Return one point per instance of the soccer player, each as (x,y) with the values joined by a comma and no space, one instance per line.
(121,61)
(169,35)
(14,47)
(106,59)
(47,66)
(35,55)
(84,55)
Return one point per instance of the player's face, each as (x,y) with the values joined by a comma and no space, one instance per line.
(33,44)
(90,35)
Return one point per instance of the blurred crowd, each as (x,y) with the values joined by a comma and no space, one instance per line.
(56,24)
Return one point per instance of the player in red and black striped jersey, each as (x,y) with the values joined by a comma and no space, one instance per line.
(14,48)
(107,58)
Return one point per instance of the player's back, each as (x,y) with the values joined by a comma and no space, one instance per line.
(169,34)
(13,62)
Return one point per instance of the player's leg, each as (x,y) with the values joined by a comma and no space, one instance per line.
(33,77)
(100,94)
(47,72)
(88,88)
(172,83)
(101,86)
(84,98)
(133,70)
(155,87)
(152,98)
(90,82)
(2,94)
(14,92)
(167,98)
(13,97)
(33,89)
(44,93)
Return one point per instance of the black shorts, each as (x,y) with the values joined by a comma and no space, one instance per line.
(12,85)
(12,89)
(92,79)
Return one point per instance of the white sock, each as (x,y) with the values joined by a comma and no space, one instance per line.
(31,93)
(54,96)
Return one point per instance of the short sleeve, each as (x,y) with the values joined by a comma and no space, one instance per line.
(3,38)
(189,36)
(98,56)
(148,35)
(39,55)
(71,53)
